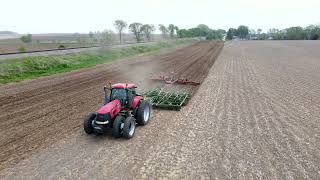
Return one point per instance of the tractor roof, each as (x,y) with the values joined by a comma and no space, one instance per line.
(123,86)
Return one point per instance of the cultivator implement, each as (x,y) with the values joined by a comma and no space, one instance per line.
(166,99)
(173,80)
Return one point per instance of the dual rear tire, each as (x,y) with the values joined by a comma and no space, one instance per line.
(125,127)
(143,113)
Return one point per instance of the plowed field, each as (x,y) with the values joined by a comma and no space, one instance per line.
(36,113)
(256,115)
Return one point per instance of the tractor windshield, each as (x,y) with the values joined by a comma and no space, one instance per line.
(119,94)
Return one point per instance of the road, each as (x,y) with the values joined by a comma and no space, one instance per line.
(255,116)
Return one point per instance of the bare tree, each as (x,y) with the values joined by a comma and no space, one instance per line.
(120,25)
(164,30)
(136,29)
(147,29)
(171,29)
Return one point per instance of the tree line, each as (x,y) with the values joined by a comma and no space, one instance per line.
(145,32)
(311,32)
(140,30)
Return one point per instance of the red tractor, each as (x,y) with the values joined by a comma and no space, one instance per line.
(123,109)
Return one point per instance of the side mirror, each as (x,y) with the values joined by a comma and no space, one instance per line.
(106,96)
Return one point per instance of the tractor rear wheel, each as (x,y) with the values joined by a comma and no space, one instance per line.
(143,113)
(117,128)
(129,127)
(87,123)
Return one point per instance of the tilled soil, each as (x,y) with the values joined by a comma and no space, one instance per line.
(35,114)
(255,116)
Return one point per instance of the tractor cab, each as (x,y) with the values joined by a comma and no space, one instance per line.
(125,93)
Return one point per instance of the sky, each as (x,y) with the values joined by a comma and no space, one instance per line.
(82,16)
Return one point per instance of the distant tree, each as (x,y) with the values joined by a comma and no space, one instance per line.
(221,31)
(148,29)
(229,35)
(263,36)
(136,29)
(163,29)
(26,38)
(312,32)
(243,31)
(296,33)
(276,34)
(171,29)
(315,37)
(204,29)
(182,33)
(186,33)
(214,35)
(281,35)
(308,30)
(231,32)
(196,32)
(120,26)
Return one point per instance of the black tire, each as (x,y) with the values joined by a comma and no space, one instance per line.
(142,118)
(87,123)
(129,127)
(116,128)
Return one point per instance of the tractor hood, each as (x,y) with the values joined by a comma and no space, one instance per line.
(112,108)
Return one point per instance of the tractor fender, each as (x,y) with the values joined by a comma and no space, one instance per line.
(135,101)
(112,108)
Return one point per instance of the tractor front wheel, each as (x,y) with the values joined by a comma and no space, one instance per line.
(129,127)
(143,113)
(117,128)
(87,124)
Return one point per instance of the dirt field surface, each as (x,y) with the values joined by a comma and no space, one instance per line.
(46,110)
(255,116)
